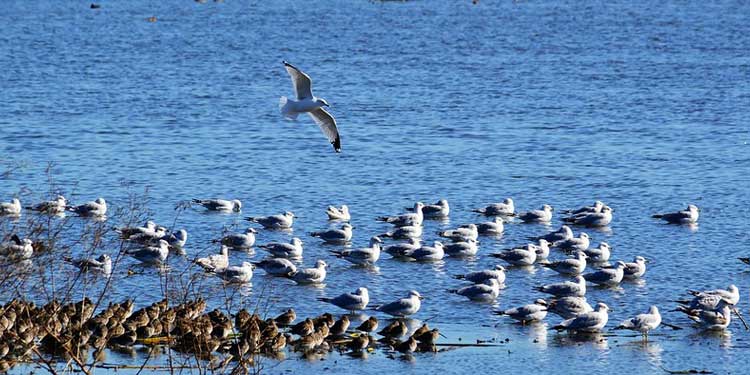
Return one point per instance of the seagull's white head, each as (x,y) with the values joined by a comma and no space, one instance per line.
(100,201)
(289,214)
(414,293)
(322,102)
(296,241)
(640,259)
(236,205)
(443,202)
(508,201)
(693,208)
(547,207)
(499,268)
(584,235)
(362,291)
(321,264)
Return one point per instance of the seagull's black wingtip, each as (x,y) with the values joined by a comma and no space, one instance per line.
(337,145)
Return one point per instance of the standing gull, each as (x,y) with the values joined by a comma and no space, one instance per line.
(506,208)
(688,216)
(643,323)
(404,306)
(306,102)
(356,301)
(221,205)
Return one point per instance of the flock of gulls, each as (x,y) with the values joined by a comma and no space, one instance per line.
(151,244)
(71,327)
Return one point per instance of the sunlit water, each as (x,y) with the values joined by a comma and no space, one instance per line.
(643,105)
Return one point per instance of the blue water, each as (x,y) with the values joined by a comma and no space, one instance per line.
(641,104)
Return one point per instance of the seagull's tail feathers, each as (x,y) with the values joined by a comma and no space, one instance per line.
(286,109)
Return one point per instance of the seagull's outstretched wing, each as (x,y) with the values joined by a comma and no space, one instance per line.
(327,124)
(301,81)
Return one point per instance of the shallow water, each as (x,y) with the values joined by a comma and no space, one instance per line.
(643,105)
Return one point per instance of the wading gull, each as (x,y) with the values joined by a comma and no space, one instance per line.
(356,301)
(461,249)
(240,241)
(487,291)
(566,288)
(569,307)
(599,254)
(635,269)
(643,323)
(581,243)
(596,207)
(592,321)
(592,219)
(536,311)
(401,249)
(404,233)
(308,103)
(404,306)
(151,254)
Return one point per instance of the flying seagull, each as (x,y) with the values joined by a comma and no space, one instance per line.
(306,102)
